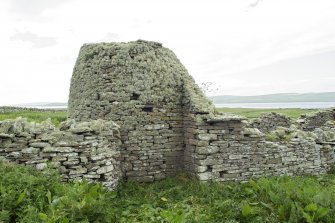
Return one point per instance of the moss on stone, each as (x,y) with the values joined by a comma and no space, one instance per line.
(281,134)
(113,72)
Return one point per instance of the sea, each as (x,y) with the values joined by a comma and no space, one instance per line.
(317,105)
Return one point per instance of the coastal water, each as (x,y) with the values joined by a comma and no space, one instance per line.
(279,105)
(317,105)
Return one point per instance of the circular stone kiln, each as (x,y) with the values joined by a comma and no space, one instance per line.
(144,88)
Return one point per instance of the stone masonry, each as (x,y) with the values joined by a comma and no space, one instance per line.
(312,121)
(167,124)
(142,87)
(163,124)
(268,122)
(87,150)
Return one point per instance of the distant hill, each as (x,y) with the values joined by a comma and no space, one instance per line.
(43,105)
(226,99)
(276,98)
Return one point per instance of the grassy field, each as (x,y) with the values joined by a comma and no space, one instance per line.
(27,195)
(256,112)
(36,115)
(57,116)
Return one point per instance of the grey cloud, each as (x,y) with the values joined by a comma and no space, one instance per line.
(34,7)
(37,41)
(254,4)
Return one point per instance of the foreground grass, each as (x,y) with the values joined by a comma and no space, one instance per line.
(36,115)
(27,195)
(256,112)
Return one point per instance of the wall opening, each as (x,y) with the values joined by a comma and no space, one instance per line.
(148,108)
(134,96)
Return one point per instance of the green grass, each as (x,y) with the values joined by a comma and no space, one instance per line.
(256,112)
(36,115)
(28,196)
(57,116)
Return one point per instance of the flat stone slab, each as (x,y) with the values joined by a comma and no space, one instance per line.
(4,135)
(225,118)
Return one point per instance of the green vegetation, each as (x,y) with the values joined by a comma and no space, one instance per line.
(36,115)
(57,116)
(256,112)
(27,195)
(281,134)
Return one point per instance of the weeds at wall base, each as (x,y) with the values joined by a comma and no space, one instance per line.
(27,195)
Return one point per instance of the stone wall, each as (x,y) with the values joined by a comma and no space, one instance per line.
(168,125)
(217,148)
(268,122)
(88,150)
(144,88)
(310,122)
(224,150)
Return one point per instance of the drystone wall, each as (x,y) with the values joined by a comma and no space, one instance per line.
(224,150)
(88,150)
(268,122)
(310,122)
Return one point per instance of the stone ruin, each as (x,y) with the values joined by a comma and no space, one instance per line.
(268,122)
(144,88)
(136,114)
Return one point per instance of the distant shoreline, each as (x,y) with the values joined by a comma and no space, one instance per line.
(305,105)
(276,98)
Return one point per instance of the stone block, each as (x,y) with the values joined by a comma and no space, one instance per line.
(41,166)
(92,176)
(58,149)
(207,150)
(6,136)
(207,137)
(207,176)
(105,169)
(78,171)
(97,157)
(235,156)
(39,144)
(201,169)
(30,150)
(231,175)
(71,162)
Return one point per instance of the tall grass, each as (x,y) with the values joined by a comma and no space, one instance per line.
(27,195)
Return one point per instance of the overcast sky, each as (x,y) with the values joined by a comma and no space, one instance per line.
(244,47)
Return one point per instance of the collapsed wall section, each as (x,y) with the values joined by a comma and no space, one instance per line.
(315,120)
(268,122)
